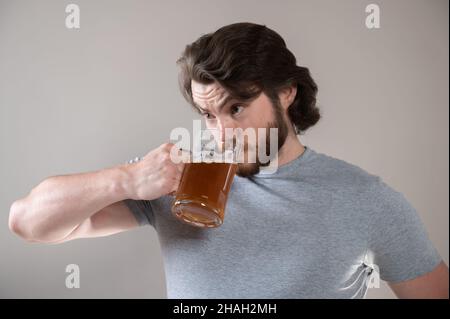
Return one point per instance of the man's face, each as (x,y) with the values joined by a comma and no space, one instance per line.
(221,111)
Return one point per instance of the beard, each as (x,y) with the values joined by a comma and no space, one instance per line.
(250,169)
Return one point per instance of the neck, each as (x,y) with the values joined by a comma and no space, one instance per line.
(291,149)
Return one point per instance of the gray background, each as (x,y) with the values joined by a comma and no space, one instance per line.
(80,100)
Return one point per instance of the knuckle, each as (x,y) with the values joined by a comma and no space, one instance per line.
(166,146)
(162,157)
(167,159)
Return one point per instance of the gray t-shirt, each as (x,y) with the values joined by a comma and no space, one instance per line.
(317,228)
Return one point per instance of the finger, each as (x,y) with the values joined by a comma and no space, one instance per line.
(177,155)
(180,168)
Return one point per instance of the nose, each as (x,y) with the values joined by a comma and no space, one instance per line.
(222,126)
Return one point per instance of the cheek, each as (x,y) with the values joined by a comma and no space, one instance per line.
(259,116)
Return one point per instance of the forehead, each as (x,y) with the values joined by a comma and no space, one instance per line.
(208,94)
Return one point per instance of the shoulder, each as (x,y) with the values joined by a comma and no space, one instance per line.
(370,189)
(341,175)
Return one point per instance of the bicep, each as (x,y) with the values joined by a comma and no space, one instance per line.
(112,219)
(433,285)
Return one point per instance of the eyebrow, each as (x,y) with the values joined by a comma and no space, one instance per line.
(221,106)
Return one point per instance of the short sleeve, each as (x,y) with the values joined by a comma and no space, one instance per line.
(142,211)
(398,239)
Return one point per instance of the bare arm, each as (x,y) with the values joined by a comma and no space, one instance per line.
(66,207)
(433,285)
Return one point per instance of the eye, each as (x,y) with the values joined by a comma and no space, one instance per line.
(207,115)
(236,109)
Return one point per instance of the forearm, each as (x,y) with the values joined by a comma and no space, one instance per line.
(59,204)
(81,204)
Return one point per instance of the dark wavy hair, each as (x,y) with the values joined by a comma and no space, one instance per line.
(247,59)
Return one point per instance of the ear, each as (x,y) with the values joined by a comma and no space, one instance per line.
(287,95)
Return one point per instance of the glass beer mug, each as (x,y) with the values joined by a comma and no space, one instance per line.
(206,181)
